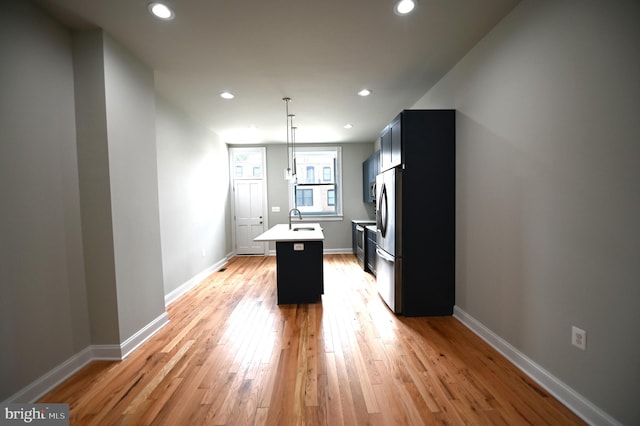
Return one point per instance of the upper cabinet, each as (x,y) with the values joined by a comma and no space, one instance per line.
(370,169)
(391,145)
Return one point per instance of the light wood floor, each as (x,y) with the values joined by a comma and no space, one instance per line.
(231,355)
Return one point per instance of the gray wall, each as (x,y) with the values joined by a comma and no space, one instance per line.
(95,187)
(548,160)
(337,233)
(43,309)
(193,175)
(80,247)
(115,112)
(130,108)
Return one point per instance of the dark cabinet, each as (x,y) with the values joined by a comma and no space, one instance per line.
(300,272)
(370,169)
(391,145)
(421,270)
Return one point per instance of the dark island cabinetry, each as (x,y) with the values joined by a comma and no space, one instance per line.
(300,271)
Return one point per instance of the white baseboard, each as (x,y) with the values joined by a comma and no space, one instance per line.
(132,343)
(63,371)
(577,403)
(338,251)
(105,352)
(52,378)
(194,281)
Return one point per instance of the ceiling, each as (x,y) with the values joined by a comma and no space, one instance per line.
(318,53)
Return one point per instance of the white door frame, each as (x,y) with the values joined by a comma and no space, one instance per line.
(232,178)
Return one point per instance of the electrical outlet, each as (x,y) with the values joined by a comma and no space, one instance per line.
(578,338)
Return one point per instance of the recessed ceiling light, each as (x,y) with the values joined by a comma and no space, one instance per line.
(161,10)
(404,6)
(227,95)
(364,92)
(348,126)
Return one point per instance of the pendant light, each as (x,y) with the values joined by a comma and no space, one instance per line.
(292,153)
(293,148)
(288,172)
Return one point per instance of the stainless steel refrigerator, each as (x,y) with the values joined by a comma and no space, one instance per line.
(389,238)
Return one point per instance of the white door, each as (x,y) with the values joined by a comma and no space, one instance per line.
(249,213)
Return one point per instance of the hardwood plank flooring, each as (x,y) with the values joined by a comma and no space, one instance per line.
(230,355)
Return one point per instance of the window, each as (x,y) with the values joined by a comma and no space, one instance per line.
(326,174)
(321,198)
(304,197)
(331,197)
(247,163)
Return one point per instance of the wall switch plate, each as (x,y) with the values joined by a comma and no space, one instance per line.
(275,209)
(579,338)
(298,247)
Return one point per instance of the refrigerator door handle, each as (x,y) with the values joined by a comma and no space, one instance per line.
(383,210)
(385,256)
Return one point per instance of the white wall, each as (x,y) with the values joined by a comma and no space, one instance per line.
(193,178)
(548,166)
(43,309)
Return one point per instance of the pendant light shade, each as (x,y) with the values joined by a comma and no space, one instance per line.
(288,172)
(293,147)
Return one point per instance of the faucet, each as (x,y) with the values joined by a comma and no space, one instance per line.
(299,215)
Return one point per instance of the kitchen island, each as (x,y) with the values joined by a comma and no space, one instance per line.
(300,276)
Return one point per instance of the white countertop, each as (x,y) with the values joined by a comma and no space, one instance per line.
(281,232)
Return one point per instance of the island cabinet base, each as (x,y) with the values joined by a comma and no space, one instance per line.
(300,271)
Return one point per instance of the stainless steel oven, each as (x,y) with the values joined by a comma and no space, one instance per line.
(361,241)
